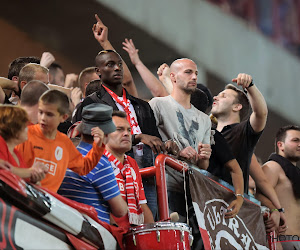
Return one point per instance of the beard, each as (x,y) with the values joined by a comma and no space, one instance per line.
(189,90)
(291,156)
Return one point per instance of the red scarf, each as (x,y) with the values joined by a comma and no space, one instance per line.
(125,103)
(135,213)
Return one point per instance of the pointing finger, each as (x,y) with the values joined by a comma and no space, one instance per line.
(98,19)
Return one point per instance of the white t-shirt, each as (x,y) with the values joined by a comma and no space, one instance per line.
(187,127)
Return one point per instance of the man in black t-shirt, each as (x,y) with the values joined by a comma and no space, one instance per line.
(231,108)
(223,165)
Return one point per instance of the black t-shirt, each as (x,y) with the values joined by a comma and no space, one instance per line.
(220,155)
(242,139)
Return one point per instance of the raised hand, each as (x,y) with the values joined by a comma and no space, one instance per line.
(47,59)
(100,31)
(163,70)
(243,80)
(71,80)
(163,74)
(76,95)
(98,135)
(128,46)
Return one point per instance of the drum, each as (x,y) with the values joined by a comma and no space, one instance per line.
(159,235)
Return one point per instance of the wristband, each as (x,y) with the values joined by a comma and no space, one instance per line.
(250,85)
(280,210)
(236,195)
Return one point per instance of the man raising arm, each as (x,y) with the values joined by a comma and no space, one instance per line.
(101,35)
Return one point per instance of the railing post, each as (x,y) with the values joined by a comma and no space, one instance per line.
(159,170)
(161,187)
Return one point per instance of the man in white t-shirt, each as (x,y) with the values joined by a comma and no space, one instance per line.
(179,120)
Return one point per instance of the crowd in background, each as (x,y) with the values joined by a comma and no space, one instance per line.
(277,19)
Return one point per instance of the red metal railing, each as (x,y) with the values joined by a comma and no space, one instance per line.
(161,187)
(159,171)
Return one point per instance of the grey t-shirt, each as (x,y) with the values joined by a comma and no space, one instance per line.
(187,127)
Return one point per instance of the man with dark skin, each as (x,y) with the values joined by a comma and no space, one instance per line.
(110,70)
(109,67)
(100,32)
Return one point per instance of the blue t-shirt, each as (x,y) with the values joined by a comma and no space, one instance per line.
(95,188)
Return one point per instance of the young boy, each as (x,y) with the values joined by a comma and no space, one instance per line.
(47,145)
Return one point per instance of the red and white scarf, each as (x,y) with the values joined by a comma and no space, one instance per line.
(135,213)
(125,103)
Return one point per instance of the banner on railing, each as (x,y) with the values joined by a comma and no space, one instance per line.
(210,200)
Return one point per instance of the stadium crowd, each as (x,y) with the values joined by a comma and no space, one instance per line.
(86,136)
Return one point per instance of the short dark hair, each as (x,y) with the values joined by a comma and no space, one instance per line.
(103,52)
(32,92)
(92,87)
(12,120)
(241,99)
(55,66)
(281,134)
(54,70)
(119,113)
(16,65)
(57,97)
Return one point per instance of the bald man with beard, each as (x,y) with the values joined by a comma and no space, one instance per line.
(179,120)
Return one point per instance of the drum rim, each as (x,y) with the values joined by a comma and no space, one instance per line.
(157,227)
